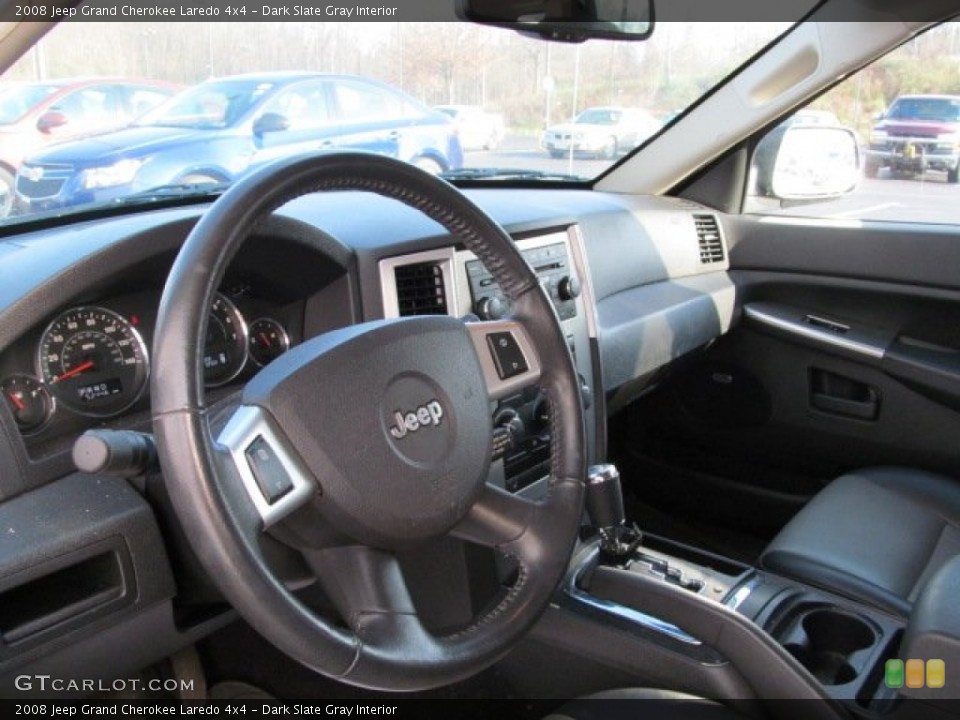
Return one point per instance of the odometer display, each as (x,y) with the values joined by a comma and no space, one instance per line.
(93,361)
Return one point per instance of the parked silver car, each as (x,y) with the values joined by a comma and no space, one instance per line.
(602,132)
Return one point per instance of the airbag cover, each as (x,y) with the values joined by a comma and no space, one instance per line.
(392,418)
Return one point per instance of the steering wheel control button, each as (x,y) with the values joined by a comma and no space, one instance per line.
(507,355)
(250,429)
(268,471)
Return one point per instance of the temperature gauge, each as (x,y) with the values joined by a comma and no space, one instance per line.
(29,402)
(268,340)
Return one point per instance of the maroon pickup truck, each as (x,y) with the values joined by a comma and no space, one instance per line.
(918,133)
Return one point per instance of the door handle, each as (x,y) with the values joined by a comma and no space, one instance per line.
(842,396)
(860,409)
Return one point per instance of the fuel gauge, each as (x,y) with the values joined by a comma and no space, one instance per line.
(28,400)
(268,340)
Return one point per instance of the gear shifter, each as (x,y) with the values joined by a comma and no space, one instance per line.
(619,542)
(604,501)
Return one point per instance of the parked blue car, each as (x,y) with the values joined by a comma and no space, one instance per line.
(219,130)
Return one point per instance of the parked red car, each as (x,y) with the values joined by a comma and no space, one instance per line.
(33,115)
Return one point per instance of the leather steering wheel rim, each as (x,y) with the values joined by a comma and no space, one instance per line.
(383,645)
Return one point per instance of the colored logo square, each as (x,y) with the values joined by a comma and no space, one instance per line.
(893,675)
(915,673)
(936,673)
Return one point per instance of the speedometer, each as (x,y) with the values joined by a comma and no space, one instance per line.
(93,361)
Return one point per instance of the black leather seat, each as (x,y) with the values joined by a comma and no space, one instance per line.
(875,535)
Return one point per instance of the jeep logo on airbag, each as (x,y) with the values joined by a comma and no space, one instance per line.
(428,414)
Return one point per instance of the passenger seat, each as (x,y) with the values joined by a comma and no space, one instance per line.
(874,535)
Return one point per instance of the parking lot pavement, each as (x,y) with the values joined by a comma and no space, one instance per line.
(926,198)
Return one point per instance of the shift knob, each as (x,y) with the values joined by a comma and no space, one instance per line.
(605,498)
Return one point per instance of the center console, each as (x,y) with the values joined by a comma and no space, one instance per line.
(712,611)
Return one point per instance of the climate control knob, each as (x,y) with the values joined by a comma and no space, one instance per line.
(569,287)
(491,308)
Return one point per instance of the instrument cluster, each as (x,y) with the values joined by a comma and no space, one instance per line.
(93,362)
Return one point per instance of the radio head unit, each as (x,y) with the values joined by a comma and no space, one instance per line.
(552,266)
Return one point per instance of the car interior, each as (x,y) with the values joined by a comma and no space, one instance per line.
(371,434)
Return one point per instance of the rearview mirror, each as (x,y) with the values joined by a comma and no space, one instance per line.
(51,120)
(806,163)
(565,20)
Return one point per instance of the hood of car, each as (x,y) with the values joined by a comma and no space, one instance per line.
(133,141)
(917,128)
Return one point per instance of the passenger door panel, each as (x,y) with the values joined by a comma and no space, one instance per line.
(846,354)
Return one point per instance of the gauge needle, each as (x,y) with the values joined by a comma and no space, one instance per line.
(16,401)
(266,340)
(76,371)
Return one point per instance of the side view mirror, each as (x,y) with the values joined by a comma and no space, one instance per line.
(270,122)
(807,163)
(51,120)
(879,116)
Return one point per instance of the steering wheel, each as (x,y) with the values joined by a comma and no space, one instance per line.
(364,441)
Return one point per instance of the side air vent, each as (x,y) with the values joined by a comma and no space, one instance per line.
(708,235)
(421,289)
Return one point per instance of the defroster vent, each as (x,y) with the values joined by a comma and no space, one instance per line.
(421,289)
(708,235)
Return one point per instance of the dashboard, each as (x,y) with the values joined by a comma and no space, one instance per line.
(636,283)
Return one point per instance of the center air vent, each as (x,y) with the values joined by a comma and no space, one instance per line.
(421,289)
(708,235)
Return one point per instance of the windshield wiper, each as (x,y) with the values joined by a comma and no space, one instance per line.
(171,191)
(499,173)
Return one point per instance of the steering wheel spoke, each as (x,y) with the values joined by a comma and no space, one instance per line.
(496,519)
(272,474)
(369,591)
(507,356)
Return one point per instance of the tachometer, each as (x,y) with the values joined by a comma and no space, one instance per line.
(93,361)
(225,348)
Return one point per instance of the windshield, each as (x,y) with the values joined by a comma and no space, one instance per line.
(17,101)
(931,109)
(472,102)
(209,105)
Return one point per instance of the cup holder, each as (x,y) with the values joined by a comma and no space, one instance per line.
(825,642)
